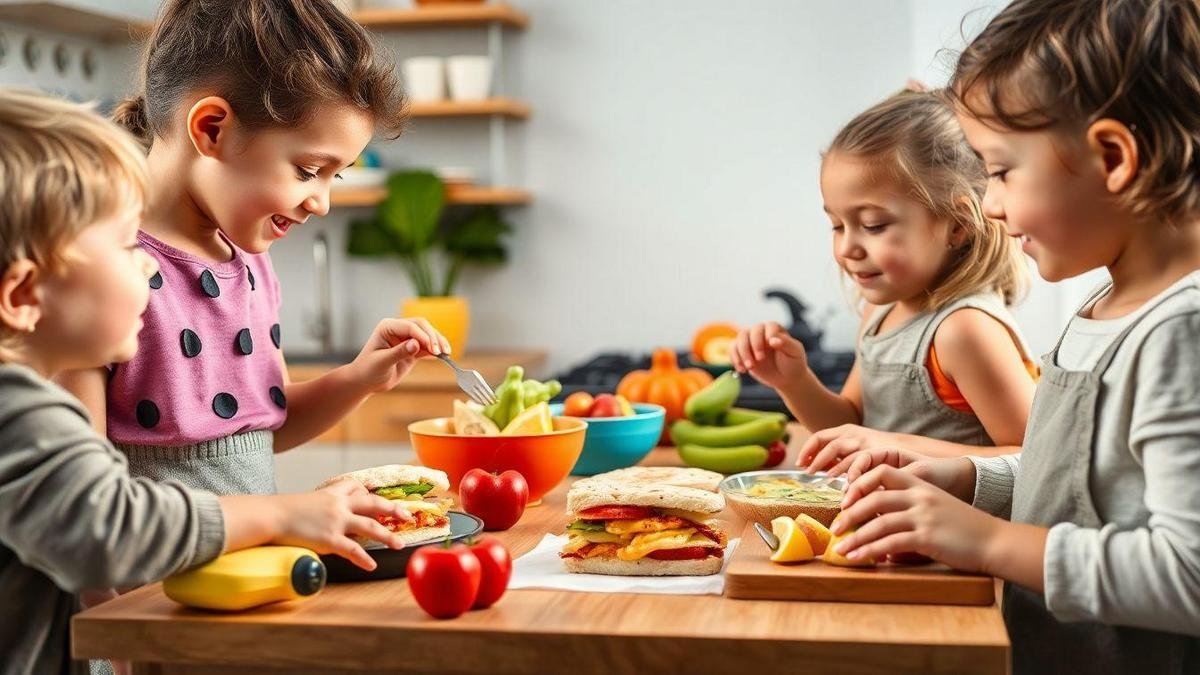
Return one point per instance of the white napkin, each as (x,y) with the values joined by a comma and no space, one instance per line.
(542,568)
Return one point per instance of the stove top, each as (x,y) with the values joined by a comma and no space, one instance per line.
(602,372)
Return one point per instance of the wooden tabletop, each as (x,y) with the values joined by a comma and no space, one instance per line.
(378,626)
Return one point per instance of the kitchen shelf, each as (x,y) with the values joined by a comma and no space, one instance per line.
(57,17)
(492,106)
(470,195)
(438,16)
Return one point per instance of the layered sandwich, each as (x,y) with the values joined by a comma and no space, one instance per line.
(415,487)
(641,529)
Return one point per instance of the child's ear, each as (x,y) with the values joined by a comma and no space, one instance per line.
(208,125)
(20,302)
(1114,145)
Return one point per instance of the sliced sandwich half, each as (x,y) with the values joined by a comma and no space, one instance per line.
(414,486)
(639,529)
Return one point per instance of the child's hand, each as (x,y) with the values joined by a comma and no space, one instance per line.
(827,446)
(914,515)
(955,475)
(767,352)
(323,520)
(393,348)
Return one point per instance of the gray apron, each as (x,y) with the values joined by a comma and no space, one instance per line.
(241,464)
(1052,486)
(898,394)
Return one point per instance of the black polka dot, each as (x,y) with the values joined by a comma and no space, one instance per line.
(278,397)
(190,342)
(156,280)
(245,345)
(225,405)
(275,335)
(250,275)
(208,284)
(147,414)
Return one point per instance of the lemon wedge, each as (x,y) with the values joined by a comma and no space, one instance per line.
(793,544)
(533,420)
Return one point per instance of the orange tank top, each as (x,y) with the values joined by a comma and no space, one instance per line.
(949,392)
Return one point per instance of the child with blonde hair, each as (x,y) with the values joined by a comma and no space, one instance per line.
(941,365)
(1087,116)
(72,290)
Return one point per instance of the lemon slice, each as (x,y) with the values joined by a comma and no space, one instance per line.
(534,420)
(793,544)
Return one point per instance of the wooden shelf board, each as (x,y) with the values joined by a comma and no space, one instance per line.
(57,17)
(492,106)
(431,16)
(370,196)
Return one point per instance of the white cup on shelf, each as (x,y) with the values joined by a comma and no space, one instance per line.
(425,78)
(470,77)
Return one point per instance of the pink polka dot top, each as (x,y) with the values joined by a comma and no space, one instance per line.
(208,363)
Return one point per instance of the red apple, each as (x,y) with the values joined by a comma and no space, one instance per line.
(497,500)
(606,405)
(775,454)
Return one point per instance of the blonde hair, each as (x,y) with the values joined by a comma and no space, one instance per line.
(62,168)
(1073,62)
(914,137)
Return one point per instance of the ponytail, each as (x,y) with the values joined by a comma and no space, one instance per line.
(131,115)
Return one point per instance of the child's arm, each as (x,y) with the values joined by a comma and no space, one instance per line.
(979,354)
(71,510)
(316,405)
(779,361)
(89,387)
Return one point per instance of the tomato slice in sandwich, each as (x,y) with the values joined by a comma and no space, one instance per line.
(687,553)
(616,513)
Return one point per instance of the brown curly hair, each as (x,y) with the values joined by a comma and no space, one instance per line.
(274,61)
(1065,64)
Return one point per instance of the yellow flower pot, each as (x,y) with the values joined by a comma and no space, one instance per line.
(450,315)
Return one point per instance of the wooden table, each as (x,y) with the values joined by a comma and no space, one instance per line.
(378,626)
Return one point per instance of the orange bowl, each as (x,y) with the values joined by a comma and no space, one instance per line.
(543,459)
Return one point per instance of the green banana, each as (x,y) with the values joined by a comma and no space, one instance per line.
(762,431)
(742,415)
(709,404)
(724,460)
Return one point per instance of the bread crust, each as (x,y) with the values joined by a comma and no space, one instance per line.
(390,475)
(645,567)
(608,493)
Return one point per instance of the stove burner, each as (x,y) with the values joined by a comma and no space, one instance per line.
(602,372)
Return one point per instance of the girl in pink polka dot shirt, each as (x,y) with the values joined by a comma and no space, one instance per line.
(249,111)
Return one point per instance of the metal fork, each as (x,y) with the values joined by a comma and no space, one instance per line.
(471,382)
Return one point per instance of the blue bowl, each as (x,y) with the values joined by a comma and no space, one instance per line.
(617,442)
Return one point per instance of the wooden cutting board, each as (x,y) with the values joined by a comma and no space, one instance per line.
(751,575)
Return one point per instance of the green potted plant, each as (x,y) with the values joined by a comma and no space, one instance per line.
(432,247)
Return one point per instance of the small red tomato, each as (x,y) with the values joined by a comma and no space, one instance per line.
(497,500)
(496,565)
(578,404)
(775,454)
(606,405)
(444,579)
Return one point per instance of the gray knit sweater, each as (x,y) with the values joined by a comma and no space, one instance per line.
(72,518)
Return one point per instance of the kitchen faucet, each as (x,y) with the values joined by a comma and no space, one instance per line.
(321,326)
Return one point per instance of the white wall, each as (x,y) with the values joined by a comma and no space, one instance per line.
(673,153)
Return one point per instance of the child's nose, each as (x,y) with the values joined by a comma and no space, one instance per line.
(849,246)
(992,208)
(318,205)
(149,264)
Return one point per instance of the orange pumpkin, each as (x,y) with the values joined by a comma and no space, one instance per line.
(664,384)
